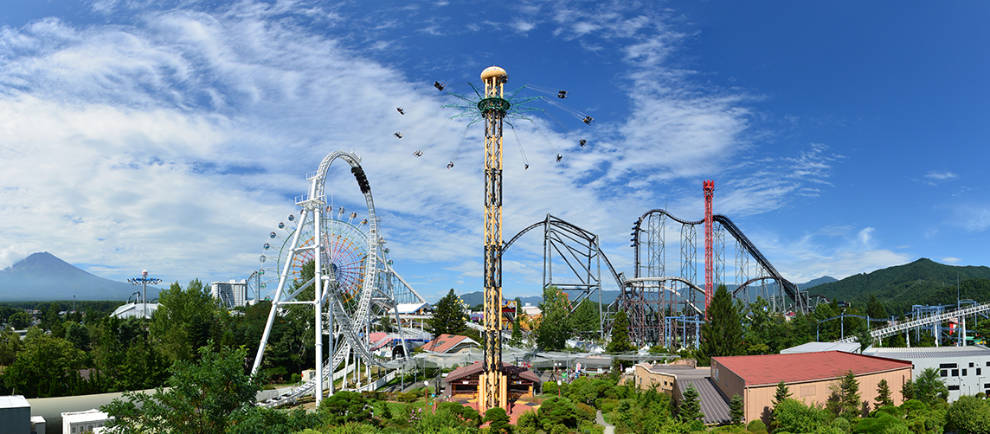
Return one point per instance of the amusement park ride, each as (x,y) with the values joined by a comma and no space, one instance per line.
(355,288)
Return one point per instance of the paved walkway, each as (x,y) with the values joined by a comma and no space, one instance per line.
(599,419)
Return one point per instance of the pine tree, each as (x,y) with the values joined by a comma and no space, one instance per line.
(620,334)
(781,394)
(689,408)
(736,409)
(448,315)
(883,395)
(722,335)
(849,396)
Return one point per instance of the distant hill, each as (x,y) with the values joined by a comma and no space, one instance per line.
(478,297)
(920,282)
(43,276)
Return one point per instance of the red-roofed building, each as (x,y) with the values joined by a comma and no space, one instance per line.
(808,376)
(464,380)
(447,343)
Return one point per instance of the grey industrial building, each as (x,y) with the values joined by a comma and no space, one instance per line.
(965,370)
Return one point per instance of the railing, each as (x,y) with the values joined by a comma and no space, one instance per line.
(908,325)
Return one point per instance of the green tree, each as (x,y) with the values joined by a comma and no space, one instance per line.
(736,409)
(781,394)
(883,395)
(793,416)
(554,328)
(10,345)
(345,406)
(498,421)
(448,315)
(584,319)
(874,309)
(929,388)
(185,320)
(122,348)
(864,338)
(969,415)
(556,412)
(849,396)
(620,342)
(689,408)
(47,366)
(722,334)
(20,320)
(78,334)
(201,397)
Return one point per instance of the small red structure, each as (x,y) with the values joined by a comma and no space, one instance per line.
(709,186)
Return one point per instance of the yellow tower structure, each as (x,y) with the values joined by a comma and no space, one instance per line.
(492,385)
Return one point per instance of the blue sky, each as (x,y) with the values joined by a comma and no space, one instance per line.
(843,137)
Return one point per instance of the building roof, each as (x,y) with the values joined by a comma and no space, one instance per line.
(134,310)
(799,367)
(817,347)
(13,401)
(929,352)
(476,368)
(714,407)
(408,308)
(84,416)
(446,342)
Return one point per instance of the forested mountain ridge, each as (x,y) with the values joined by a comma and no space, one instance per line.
(920,282)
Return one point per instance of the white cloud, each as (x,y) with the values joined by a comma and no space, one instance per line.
(938,176)
(523,26)
(172,142)
(951,260)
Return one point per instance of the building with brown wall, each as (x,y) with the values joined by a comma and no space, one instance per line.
(808,376)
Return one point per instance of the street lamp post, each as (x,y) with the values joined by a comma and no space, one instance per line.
(143,281)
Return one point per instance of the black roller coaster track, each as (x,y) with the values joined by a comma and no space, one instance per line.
(789,288)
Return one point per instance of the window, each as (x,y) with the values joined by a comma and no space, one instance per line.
(970,364)
(986,385)
(950,365)
(943,373)
(964,372)
(955,372)
(978,371)
(954,387)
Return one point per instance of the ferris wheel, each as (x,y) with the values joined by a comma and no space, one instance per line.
(347,252)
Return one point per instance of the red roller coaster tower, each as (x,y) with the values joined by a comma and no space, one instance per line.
(709,196)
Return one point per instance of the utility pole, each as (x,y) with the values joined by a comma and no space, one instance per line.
(143,281)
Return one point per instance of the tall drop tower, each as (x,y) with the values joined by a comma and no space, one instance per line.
(709,196)
(492,385)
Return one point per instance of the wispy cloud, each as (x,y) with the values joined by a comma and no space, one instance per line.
(176,136)
(934,177)
(951,260)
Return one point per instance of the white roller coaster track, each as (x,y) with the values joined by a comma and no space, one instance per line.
(934,319)
(348,326)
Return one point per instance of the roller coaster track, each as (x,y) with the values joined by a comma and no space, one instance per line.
(884,332)
(791,289)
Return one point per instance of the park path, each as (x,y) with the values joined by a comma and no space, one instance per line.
(599,419)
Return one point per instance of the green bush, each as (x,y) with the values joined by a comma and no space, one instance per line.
(757,426)
(498,421)
(969,414)
(793,416)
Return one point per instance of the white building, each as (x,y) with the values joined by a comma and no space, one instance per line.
(135,310)
(78,422)
(964,370)
(231,294)
(37,425)
(15,414)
